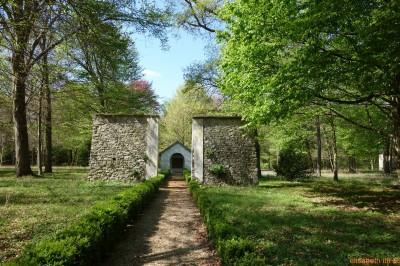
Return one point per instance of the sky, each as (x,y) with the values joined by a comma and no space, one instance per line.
(165,68)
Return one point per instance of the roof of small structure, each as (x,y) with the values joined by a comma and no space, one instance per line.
(126,115)
(173,144)
(217,116)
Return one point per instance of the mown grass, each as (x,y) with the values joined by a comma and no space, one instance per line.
(318,222)
(33,207)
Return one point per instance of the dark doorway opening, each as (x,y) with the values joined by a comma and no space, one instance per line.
(177,163)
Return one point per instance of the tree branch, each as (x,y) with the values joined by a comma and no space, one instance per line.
(200,23)
(357,101)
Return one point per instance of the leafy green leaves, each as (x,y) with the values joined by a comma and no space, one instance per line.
(279,55)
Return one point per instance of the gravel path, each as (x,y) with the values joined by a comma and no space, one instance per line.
(169,232)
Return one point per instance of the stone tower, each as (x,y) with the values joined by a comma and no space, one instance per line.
(124,147)
(223,151)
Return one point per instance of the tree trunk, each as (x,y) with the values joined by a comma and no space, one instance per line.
(386,159)
(2,149)
(22,154)
(39,132)
(319,146)
(396,124)
(258,154)
(334,150)
(352,164)
(277,157)
(309,154)
(20,70)
(48,163)
(392,159)
(100,91)
(330,154)
(76,157)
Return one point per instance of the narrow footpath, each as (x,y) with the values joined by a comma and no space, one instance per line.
(170,231)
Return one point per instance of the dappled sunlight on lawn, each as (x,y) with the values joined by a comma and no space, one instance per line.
(33,207)
(301,223)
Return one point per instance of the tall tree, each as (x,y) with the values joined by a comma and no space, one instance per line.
(176,121)
(105,57)
(281,55)
(18,20)
(26,23)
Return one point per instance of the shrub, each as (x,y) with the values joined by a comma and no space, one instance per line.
(239,251)
(166,173)
(84,242)
(217,170)
(232,250)
(293,164)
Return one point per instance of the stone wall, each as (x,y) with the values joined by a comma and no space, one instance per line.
(223,143)
(124,147)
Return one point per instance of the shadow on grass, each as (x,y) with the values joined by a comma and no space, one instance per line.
(383,198)
(58,197)
(288,230)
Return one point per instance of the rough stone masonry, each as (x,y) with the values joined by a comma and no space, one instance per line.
(124,147)
(223,151)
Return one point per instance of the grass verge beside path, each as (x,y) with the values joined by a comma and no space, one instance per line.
(302,223)
(33,208)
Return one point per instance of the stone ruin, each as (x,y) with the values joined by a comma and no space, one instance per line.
(223,151)
(124,147)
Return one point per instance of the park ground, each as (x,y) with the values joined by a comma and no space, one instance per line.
(312,222)
(315,221)
(33,207)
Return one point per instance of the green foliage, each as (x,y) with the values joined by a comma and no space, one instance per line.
(176,122)
(91,57)
(85,241)
(232,251)
(218,170)
(186,174)
(166,173)
(293,164)
(281,55)
(240,252)
(280,223)
(197,15)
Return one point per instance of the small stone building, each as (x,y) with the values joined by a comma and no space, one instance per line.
(175,158)
(124,147)
(223,151)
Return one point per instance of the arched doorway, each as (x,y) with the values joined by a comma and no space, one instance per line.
(177,162)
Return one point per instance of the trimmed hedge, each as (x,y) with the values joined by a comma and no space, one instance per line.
(85,241)
(231,248)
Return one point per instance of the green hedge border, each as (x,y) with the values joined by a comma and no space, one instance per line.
(232,249)
(85,241)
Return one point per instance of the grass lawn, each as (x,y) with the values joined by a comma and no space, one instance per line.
(32,207)
(318,222)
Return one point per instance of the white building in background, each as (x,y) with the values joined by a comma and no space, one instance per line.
(381,162)
(176,157)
